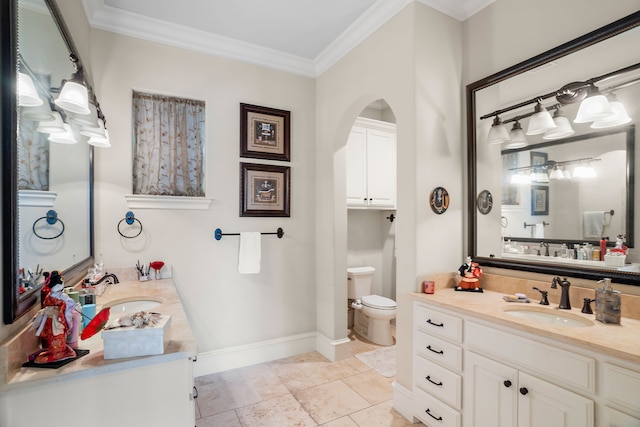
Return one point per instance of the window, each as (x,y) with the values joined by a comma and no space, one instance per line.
(168,138)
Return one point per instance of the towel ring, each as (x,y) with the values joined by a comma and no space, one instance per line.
(51,218)
(129,219)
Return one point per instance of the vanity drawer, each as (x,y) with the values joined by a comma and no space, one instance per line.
(432,412)
(622,386)
(443,352)
(555,364)
(437,323)
(438,381)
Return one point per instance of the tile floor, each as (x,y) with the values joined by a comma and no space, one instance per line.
(302,390)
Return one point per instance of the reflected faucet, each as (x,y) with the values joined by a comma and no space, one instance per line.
(110,278)
(565,304)
(546,248)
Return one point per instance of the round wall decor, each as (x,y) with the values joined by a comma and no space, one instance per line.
(485,202)
(439,200)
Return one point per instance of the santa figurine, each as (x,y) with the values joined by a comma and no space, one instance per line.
(53,323)
(469,272)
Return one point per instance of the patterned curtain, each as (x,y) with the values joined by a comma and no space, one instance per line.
(33,157)
(168,153)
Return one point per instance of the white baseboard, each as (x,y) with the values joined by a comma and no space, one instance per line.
(332,349)
(403,401)
(250,354)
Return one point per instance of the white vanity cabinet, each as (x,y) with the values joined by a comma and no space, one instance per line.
(501,396)
(371,165)
(437,367)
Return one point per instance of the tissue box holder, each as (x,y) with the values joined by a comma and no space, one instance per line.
(133,342)
(614,260)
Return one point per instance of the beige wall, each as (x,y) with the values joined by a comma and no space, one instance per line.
(225,308)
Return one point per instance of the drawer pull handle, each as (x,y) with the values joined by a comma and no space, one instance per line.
(523,391)
(507,383)
(435,351)
(439,325)
(432,416)
(428,378)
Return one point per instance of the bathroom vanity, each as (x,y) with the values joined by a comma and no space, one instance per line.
(479,361)
(149,390)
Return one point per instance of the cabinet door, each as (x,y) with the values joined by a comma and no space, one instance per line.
(490,393)
(541,404)
(381,168)
(357,168)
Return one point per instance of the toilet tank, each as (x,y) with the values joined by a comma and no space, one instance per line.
(359,281)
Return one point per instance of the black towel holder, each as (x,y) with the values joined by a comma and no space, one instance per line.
(218,233)
(129,219)
(51,217)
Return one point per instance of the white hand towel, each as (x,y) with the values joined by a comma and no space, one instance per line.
(250,253)
(593,224)
(539,231)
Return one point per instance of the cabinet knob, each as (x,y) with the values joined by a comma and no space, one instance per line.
(507,383)
(523,391)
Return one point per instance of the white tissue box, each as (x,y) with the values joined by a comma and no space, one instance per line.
(614,260)
(132,341)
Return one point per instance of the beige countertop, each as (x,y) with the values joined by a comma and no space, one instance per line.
(180,342)
(622,341)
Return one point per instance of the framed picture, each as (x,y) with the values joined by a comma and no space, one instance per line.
(538,158)
(264,190)
(264,133)
(539,200)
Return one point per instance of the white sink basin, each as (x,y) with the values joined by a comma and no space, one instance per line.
(549,316)
(132,305)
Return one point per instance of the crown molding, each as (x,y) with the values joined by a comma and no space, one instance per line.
(107,18)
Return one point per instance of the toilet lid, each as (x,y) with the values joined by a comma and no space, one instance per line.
(376,301)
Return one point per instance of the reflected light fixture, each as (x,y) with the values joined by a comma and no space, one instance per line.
(498,132)
(100,141)
(556,173)
(66,137)
(582,171)
(74,96)
(563,127)
(517,136)
(619,115)
(55,125)
(41,113)
(90,131)
(520,178)
(27,92)
(540,121)
(594,107)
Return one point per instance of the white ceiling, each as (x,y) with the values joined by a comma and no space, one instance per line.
(300,36)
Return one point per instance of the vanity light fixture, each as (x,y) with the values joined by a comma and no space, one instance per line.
(55,125)
(66,137)
(41,113)
(556,173)
(619,115)
(100,141)
(74,96)
(594,107)
(563,127)
(582,171)
(498,132)
(27,92)
(518,138)
(541,121)
(520,178)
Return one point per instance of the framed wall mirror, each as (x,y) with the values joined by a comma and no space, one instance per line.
(47,181)
(542,201)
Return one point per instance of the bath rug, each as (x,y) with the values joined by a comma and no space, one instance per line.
(382,360)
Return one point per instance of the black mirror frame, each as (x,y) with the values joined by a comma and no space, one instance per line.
(12,306)
(596,36)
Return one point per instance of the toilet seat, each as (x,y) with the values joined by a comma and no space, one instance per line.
(378,302)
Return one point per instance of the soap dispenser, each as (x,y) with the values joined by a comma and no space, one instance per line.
(608,303)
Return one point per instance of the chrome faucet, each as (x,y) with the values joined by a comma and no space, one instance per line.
(110,278)
(565,304)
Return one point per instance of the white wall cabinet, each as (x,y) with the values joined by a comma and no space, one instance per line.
(501,396)
(371,165)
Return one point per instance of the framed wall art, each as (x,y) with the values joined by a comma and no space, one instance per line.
(265,133)
(539,200)
(264,190)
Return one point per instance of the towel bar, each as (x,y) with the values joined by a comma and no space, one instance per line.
(218,233)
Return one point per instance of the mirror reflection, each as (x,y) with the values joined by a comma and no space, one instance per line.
(557,178)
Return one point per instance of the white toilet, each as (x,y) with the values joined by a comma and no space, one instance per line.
(373,313)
